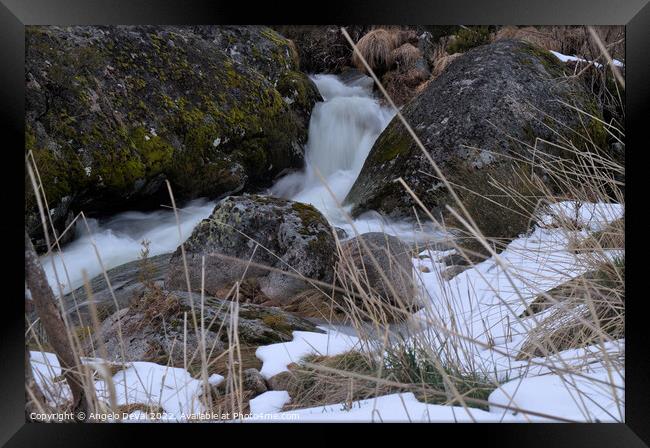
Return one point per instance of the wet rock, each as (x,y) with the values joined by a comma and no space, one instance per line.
(284,235)
(127,281)
(159,326)
(341,233)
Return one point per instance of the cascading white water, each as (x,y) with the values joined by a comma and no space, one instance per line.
(342,131)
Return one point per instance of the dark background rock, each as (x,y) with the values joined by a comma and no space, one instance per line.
(114,111)
(296,238)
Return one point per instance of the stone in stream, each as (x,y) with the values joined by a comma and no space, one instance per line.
(284,235)
(470,119)
(158,327)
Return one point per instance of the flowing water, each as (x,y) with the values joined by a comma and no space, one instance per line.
(342,131)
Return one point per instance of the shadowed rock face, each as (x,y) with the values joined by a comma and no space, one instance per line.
(385,265)
(292,237)
(114,111)
(464,119)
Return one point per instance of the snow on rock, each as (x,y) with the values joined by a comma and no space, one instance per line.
(482,303)
(481,299)
(276,357)
(481,307)
(172,389)
(269,402)
(593,217)
(215,379)
(45,367)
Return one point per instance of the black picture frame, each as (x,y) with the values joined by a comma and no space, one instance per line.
(15,14)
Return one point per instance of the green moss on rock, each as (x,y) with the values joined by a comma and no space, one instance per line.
(391,144)
(116,107)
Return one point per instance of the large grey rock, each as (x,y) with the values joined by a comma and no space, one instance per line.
(282,234)
(114,111)
(159,327)
(468,119)
(385,265)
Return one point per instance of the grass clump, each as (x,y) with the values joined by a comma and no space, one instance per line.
(377,47)
(468,38)
(587,310)
(322,380)
(434,382)
(359,375)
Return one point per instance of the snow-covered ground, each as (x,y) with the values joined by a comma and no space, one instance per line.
(277,357)
(478,308)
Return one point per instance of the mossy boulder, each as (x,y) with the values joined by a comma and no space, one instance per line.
(489,105)
(114,111)
(286,236)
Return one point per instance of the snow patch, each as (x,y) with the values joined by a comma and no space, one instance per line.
(276,357)
(269,402)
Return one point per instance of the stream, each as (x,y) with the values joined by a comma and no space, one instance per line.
(342,131)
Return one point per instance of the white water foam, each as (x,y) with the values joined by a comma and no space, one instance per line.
(119,240)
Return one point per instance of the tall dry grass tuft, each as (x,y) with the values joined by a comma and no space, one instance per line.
(377,49)
(531,34)
(406,55)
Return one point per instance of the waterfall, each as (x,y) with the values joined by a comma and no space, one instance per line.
(342,130)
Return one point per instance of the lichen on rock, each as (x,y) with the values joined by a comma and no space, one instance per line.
(113,111)
(293,239)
